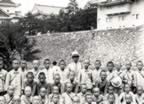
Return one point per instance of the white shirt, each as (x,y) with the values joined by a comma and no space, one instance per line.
(76,67)
(14,78)
(3,74)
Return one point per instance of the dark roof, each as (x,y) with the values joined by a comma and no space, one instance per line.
(3,14)
(7,1)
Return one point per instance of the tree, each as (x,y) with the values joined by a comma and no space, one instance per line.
(15,44)
(72,7)
(31,24)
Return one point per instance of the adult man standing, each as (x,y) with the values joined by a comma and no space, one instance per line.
(75,65)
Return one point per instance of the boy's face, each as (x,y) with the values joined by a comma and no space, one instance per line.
(42,78)
(16,100)
(139,65)
(128,98)
(75,58)
(15,64)
(128,65)
(96,91)
(69,87)
(111,99)
(97,64)
(111,90)
(55,99)
(55,90)
(103,75)
(62,65)
(86,64)
(110,67)
(89,99)
(83,88)
(11,91)
(57,79)
(127,88)
(23,64)
(76,100)
(43,92)
(28,91)
(36,100)
(36,64)
(118,66)
(30,78)
(47,64)
(2,100)
(139,90)
(1,64)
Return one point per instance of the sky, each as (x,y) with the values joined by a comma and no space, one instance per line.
(27,5)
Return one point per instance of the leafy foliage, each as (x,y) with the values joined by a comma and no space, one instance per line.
(15,44)
(68,20)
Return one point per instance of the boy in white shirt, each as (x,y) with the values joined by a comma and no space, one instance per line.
(14,78)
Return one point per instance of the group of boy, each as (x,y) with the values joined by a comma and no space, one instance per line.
(75,83)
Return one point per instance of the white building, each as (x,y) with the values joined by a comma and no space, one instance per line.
(113,14)
(8,11)
(45,10)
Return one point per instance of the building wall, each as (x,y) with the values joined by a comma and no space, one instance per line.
(118,45)
(134,16)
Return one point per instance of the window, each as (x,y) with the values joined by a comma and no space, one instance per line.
(121,17)
(108,19)
(137,16)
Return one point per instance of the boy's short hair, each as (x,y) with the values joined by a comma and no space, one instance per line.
(98,61)
(11,87)
(27,87)
(139,61)
(1,58)
(110,62)
(46,60)
(95,88)
(103,71)
(30,73)
(111,95)
(42,74)
(62,61)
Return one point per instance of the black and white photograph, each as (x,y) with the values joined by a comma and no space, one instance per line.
(71,51)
